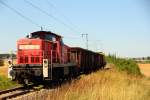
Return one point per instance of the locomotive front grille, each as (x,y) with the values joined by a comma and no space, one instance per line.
(24,59)
(35,59)
(27,60)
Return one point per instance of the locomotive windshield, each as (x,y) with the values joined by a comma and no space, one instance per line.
(34,36)
(50,37)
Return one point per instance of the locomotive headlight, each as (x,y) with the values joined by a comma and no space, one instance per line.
(10,70)
(45,63)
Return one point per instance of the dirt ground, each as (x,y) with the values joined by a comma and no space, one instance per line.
(145,69)
(3,70)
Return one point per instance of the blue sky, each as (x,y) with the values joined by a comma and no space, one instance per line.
(120,27)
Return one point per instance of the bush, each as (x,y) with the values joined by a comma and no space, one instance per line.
(124,64)
(1,62)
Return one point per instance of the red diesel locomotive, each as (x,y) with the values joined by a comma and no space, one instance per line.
(42,55)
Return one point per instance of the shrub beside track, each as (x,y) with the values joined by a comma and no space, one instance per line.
(122,64)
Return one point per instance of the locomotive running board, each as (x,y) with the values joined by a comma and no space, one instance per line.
(64,65)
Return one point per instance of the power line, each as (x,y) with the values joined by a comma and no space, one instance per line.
(62,15)
(18,13)
(50,15)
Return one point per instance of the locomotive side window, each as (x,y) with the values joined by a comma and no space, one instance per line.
(61,42)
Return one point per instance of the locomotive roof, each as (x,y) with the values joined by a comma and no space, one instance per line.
(79,48)
(46,32)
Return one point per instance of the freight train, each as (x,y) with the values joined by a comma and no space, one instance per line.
(42,55)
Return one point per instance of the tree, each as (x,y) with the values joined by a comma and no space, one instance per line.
(148,58)
(1,62)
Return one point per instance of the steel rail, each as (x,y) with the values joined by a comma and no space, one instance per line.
(14,92)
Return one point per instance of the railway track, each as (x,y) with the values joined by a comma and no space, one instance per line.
(30,91)
(15,92)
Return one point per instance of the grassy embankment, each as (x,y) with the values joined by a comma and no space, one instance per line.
(6,83)
(122,82)
(130,66)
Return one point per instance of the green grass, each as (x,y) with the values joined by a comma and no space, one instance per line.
(127,65)
(6,83)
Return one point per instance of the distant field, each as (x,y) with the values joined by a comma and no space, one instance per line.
(3,71)
(145,69)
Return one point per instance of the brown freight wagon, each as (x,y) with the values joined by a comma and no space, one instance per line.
(87,60)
